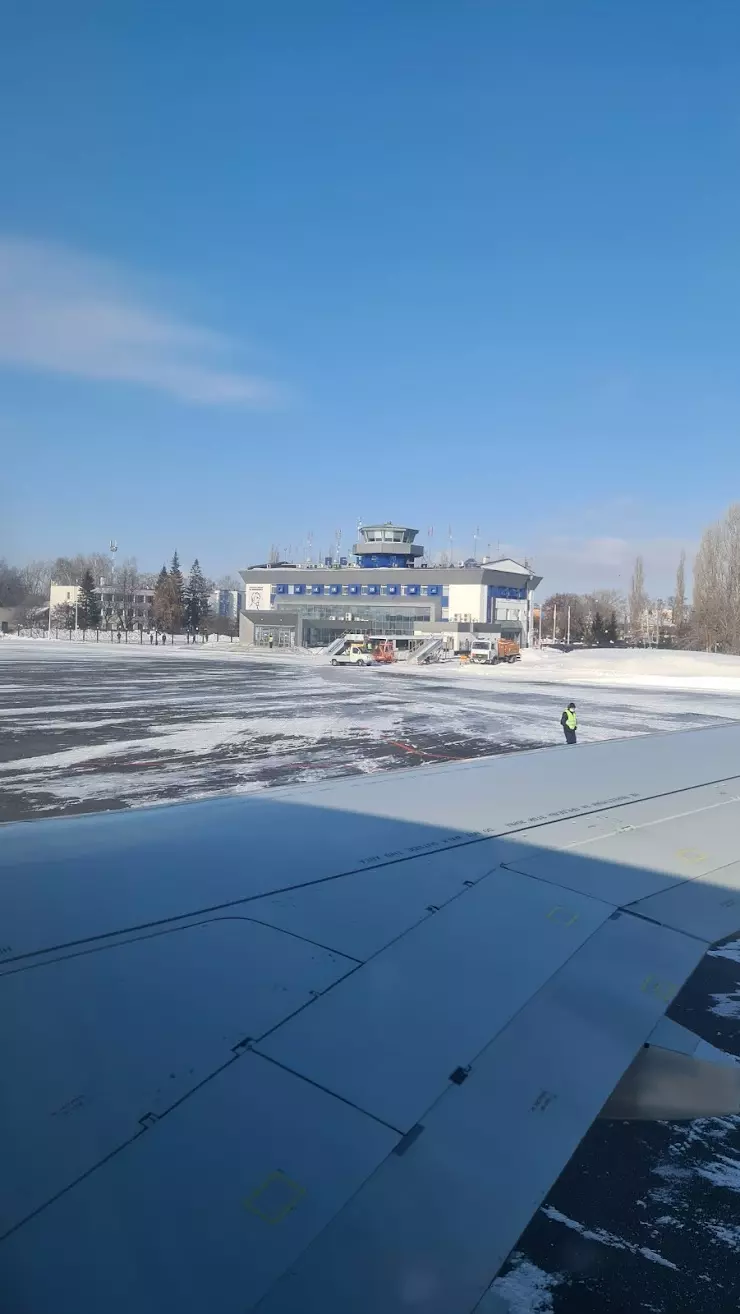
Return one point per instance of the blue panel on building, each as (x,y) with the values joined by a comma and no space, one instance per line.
(343,561)
(282,588)
(373,588)
(394,588)
(434,590)
(373,559)
(412,590)
(317,588)
(501,591)
(354,588)
(299,588)
(335,588)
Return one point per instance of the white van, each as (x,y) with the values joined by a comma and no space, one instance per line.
(355,654)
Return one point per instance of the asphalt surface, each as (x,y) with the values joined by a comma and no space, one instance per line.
(84,728)
(646,1216)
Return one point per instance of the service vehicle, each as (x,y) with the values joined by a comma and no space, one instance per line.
(354,654)
(491,651)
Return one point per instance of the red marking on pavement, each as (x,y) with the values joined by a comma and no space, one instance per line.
(409,748)
(96,761)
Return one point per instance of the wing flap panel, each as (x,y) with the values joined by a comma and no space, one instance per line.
(433,1225)
(388,1038)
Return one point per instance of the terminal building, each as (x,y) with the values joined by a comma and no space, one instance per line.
(390,591)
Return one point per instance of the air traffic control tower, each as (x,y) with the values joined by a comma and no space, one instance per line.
(387,545)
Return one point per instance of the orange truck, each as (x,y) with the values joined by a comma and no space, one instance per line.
(491,651)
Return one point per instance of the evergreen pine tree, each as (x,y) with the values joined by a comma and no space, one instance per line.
(161,599)
(88,606)
(598,630)
(177,596)
(196,599)
(611,629)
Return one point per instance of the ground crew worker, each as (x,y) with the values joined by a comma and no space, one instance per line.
(569,723)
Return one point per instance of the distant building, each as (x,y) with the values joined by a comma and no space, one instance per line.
(63,595)
(389,591)
(119,608)
(129,608)
(226,602)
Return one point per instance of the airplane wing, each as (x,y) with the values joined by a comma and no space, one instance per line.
(325,1049)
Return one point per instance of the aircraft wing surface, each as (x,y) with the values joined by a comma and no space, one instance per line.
(325,1049)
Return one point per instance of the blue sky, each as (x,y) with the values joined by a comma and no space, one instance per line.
(268,268)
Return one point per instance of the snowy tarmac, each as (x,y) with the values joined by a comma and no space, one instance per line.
(87,727)
(645,1216)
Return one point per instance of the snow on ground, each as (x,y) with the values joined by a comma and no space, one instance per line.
(524,1289)
(639,668)
(85,726)
(605,1238)
(726,1005)
(729,950)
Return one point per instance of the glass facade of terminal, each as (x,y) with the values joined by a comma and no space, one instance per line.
(379,619)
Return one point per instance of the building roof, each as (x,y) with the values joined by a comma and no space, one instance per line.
(388,524)
(510,566)
(481,574)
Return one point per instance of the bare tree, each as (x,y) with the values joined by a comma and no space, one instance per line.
(63,616)
(715,618)
(11,585)
(638,601)
(230,582)
(608,602)
(679,599)
(126,582)
(69,570)
(555,617)
(36,579)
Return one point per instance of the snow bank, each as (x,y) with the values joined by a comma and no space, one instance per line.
(645,668)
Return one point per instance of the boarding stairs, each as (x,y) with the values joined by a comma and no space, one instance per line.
(430,650)
(335,647)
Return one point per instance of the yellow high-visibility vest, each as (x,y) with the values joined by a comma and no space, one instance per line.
(570,718)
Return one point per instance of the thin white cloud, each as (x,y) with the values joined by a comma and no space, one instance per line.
(66,313)
(583,563)
(579,563)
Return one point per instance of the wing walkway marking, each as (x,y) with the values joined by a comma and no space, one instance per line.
(563,916)
(663,990)
(275,1198)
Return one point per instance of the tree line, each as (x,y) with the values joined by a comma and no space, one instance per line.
(715,614)
(607,617)
(592,618)
(180,603)
(711,622)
